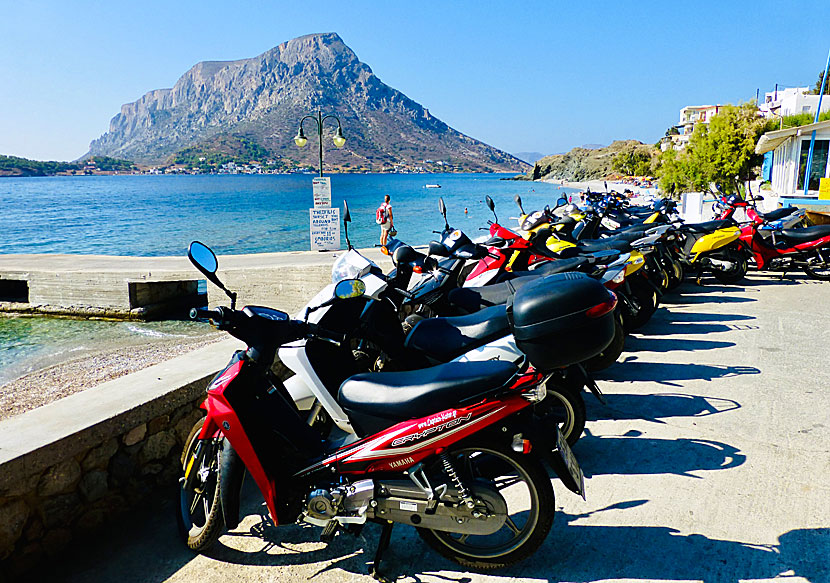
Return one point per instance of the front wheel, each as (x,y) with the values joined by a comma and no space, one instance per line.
(526,507)
(737,272)
(199,514)
(818,267)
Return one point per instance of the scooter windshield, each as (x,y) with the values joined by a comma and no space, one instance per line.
(351,265)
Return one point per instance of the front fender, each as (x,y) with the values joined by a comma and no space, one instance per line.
(231,474)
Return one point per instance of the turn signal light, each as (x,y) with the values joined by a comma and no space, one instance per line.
(601,309)
(417,269)
(384,250)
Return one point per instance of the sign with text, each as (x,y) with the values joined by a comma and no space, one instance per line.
(325,229)
(322,192)
(824,189)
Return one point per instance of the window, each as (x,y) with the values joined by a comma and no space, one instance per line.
(819,166)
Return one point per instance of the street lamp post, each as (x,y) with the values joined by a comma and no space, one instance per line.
(338,139)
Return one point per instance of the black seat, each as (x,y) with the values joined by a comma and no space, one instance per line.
(806,234)
(443,339)
(604,244)
(778,213)
(708,226)
(375,401)
(473,299)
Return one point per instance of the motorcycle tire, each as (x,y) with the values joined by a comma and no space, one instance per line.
(819,270)
(612,352)
(565,407)
(529,484)
(739,269)
(199,512)
(646,298)
(676,275)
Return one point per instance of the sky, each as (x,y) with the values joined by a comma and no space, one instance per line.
(521,76)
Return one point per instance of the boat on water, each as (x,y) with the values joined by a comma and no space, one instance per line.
(432,186)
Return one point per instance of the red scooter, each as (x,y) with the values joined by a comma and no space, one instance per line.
(453,450)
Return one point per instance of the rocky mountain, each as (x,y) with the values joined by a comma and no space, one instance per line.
(586,163)
(262,100)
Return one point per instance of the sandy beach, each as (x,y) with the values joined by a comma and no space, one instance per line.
(90,369)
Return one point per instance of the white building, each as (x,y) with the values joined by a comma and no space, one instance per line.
(690,116)
(791,101)
(789,159)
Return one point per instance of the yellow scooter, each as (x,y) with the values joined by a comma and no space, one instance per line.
(713,246)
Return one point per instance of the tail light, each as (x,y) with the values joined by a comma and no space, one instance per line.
(605,307)
(417,269)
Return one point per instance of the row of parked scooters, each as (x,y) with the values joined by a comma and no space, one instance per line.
(435,394)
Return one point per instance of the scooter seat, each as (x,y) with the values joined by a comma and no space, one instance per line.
(473,299)
(375,401)
(604,244)
(806,234)
(778,213)
(443,339)
(708,226)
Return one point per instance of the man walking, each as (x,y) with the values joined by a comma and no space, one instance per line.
(384,219)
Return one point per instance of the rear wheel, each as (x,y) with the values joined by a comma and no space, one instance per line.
(199,511)
(529,506)
(733,274)
(676,274)
(566,408)
(612,352)
(818,267)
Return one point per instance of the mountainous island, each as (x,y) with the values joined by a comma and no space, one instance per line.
(592,162)
(251,108)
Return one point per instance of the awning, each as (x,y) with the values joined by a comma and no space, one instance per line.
(771,140)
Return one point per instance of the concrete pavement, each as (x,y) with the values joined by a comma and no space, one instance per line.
(711,462)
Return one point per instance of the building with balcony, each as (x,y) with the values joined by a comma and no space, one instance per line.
(791,101)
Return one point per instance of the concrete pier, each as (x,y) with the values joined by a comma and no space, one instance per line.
(148,287)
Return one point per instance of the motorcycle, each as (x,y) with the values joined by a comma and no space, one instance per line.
(453,450)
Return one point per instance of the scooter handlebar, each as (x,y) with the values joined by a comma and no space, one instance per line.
(217,315)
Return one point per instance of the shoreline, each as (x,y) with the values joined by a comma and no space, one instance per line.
(89,369)
(600,186)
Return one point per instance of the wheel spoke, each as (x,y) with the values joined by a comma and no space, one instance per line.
(206,507)
(196,497)
(512,526)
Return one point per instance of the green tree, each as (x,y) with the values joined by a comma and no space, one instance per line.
(720,154)
(632,162)
(817,88)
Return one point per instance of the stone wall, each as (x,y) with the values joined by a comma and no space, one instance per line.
(69,467)
(42,512)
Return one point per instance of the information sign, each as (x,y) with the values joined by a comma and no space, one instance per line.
(824,189)
(322,192)
(325,229)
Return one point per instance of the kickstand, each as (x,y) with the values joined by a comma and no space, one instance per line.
(383,544)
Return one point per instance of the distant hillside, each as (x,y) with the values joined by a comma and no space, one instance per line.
(14,166)
(585,164)
(529,157)
(262,100)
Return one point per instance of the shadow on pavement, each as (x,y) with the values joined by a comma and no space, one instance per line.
(633,370)
(633,454)
(657,406)
(645,344)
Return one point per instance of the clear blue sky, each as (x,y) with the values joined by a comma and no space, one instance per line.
(521,76)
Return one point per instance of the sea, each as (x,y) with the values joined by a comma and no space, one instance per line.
(153,216)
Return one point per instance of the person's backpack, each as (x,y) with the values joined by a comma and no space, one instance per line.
(380,215)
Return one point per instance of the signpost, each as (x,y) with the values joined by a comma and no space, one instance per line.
(324,221)
(325,229)
(322,192)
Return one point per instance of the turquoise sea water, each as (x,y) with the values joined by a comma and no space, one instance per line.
(161,215)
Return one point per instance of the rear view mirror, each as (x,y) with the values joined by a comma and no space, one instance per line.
(561,201)
(518,200)
(347,218)
(349,288)
(490,204)
(203,258)
(442,208)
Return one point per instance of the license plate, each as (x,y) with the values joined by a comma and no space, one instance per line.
(570,461)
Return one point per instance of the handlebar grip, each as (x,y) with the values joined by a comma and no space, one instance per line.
(206,314)
(335,338)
